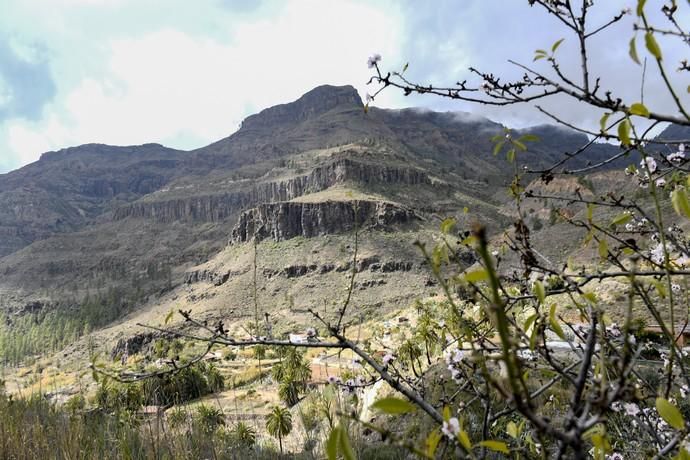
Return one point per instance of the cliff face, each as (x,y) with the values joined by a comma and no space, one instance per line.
(216,208)
(66,189)
(104,215)
(285,220)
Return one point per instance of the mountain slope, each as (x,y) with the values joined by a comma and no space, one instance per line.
(138,219)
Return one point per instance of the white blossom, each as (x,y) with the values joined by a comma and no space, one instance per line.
(369,97)
(675,287)
(650,164)
(373,60)
(454,356)
(683,260)
(451,428)
(679,156)
(629,227)
(527,355)
(657,254)
(387,358)
(454,359)
(660,182)
(631,409)
(613,330)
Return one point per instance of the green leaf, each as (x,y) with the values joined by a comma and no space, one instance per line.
(652,45)
(538,56)
(496,446)
(345,446)
(602,122)
(683,454)
(432,442)
(512,430)
(590,297)
(624,132)
(529,321)
(679,199)
(476,275)
(393,406)
(632,51)
(446,413)
(639,109)
(519,145)
(555,46)
(640,6)
(590,211)
(670,413)
(529,138)
(332,444)
(621,218)
(533,338)
(553,321)
(498,147)
(464,440)
(447,225)
(511,155)
(407,64)
(539,291)
(168,317)
(540,52)
(603,249)
(601,444)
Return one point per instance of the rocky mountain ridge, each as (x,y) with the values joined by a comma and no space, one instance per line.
(95,217)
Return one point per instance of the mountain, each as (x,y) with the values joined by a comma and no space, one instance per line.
(142,225)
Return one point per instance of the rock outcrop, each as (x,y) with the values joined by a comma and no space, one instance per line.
(285,220)
(216,208)
(209,276)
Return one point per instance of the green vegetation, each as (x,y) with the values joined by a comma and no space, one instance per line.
(292,373)
(35,428)
(279,424)
(188,384)
(52,327)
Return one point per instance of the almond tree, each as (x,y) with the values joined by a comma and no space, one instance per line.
(497,384)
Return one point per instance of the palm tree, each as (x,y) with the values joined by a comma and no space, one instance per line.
(412,351)
(427,335)
(293,373)
(279,424)
(244,434)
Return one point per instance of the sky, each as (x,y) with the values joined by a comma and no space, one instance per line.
(186,73)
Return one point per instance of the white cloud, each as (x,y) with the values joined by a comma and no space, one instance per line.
(186,90)
(186,73)
(5,93)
